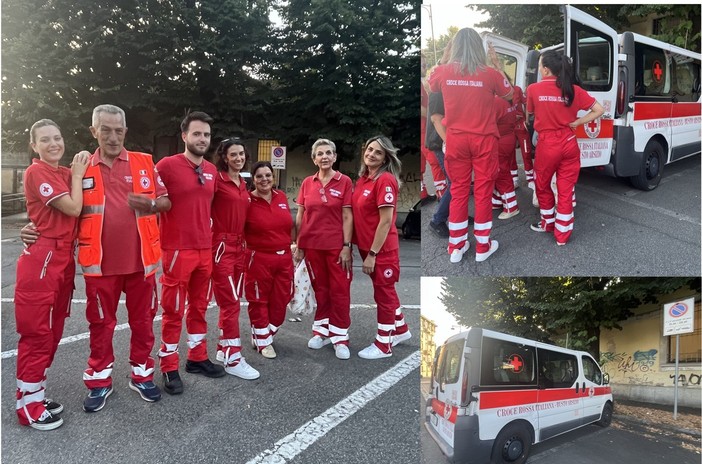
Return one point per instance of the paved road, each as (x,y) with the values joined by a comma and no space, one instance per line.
(618,231)
(624,442)
(307,407)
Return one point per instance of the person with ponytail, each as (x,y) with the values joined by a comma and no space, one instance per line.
(555,102)
(469,88)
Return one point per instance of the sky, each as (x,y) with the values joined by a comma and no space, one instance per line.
(447,13)
(434,310)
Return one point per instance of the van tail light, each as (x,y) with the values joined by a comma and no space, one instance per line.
(464,387)
(621,97)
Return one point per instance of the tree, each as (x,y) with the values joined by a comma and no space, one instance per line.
(440,43)
(548,308)
(542,25)
(347,71)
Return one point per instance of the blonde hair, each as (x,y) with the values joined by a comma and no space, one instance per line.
(467,51)
(392,163)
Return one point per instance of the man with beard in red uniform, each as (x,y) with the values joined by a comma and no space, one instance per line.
(186,239)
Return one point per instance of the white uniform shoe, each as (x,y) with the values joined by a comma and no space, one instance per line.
(397,339)
(373,352)
(318,342)
(457,255)
(268,352)
(480,257)
(242,370)
(342,351)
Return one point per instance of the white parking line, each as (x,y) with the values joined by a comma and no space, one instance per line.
(287,448)
(85,335)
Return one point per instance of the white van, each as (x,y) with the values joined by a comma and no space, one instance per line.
(494,395)
(650,91)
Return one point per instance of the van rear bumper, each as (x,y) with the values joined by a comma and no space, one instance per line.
(469,449)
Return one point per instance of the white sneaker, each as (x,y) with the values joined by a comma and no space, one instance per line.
(397,339)
(506,215)
(220,356)
(480,257)
(342,351)
(534,200)
(531,185)
(373,352)
(457,255)
(243,370)
(318,342)
(268,352)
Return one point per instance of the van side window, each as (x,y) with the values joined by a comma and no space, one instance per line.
(451,365)
(506,363)
(591,371)
(687,78)
(653,71)
(556,369)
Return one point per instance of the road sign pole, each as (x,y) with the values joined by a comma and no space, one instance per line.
(677,361)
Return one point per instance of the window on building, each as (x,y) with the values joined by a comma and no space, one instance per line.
(690,343)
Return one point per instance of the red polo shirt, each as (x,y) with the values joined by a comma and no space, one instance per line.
(368,196)
(120,237)
(268,225)
(469,100)
(44,183)
(506,115)
(322,223)
(545,101)
(229,205)
(187,225)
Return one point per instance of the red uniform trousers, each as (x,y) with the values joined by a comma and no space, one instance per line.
(186,275)
(228,265)
(527,149)
(43,292)
(504,184)
(558,153)
(466,153)
(391,321)
(103,294)
(437,173)
(332,289)
(269,289)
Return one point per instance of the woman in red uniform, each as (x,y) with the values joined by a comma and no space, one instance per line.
(45,270)
(269,233)
(555,102)
(229,206)
(524,139)
(375,234)
(325,224)
(469,88)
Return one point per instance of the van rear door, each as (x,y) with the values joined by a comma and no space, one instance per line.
(446,389)
(594,48)
(513,55)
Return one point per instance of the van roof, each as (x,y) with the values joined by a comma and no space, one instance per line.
(512,338)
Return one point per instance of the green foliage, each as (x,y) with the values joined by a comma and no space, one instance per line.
(343,70)
(547,309)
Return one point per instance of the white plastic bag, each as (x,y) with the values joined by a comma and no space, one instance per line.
(303,301)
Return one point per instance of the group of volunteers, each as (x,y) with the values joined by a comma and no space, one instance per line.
(475,117)
(199,222)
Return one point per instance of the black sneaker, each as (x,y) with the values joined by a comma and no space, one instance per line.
(96,399)
(47,421)
(440,229)
(206,368)
(172,383)
(147,390)
(53,407)
(536,227)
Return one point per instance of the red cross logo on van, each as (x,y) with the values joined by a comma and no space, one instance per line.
(657,70)
(516,362)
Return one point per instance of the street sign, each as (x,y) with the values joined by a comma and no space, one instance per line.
(278,157)
(678,317)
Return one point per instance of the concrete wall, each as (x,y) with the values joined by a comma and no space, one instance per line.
(636,359)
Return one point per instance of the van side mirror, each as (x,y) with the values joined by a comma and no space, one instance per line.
(606,379)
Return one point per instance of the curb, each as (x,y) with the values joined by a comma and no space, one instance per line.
(635,420)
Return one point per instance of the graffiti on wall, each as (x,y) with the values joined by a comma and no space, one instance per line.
(690,379)
(640,361)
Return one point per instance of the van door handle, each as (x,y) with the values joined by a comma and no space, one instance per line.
(577,386)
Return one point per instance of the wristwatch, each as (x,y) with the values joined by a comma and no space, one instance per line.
(372,253)
(153,205)
(348,244)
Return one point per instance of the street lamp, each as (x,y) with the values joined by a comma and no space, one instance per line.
(431,21)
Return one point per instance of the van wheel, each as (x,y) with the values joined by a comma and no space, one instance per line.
(651,167)
(406,231)
(606,418)
(512,445)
